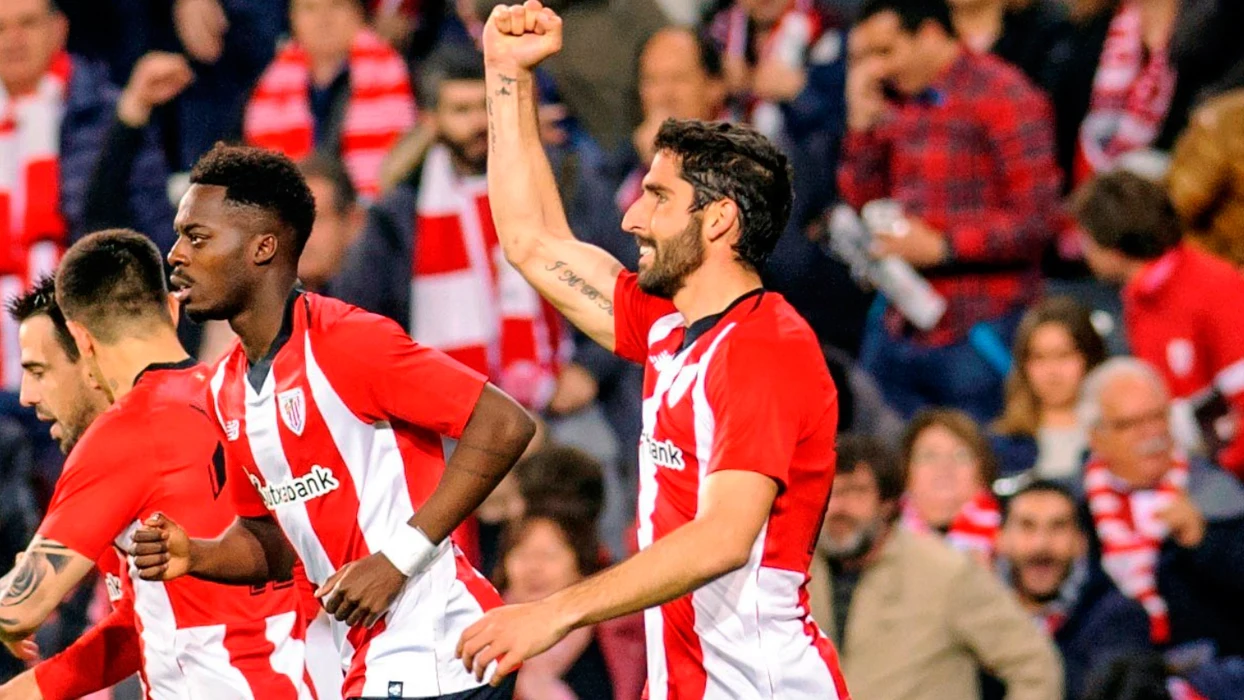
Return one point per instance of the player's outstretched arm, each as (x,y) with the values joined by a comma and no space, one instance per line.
(31,591)
(531,222)
(733,508)
(251,551)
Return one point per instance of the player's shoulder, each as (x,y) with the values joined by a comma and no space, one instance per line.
(326,316)
(771,326)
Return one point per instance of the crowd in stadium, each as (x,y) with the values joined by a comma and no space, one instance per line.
(1038,350)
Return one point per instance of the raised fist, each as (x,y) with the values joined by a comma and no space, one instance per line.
(157,78)
(521,35)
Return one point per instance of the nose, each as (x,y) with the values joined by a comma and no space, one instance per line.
(28,392)
(177,255)
(636,216)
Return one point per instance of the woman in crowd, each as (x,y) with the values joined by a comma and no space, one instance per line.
(1056,345)
(542,553)
(948,469)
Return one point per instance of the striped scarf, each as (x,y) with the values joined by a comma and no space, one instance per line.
(974,529)
(1130,97)
(381,108)
(466,300)
(1131,534)
(32,230)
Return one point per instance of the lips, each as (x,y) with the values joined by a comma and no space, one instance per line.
(181,286)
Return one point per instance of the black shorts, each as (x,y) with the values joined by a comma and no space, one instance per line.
(504,692)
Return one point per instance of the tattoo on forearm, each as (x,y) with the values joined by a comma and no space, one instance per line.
(42,560)
(574,281)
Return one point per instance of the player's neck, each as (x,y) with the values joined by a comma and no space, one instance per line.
(123,361)
(258,325)
(710,289)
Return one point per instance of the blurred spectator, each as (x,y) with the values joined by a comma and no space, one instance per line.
(338,220)
(1019,32)
(19,516)
(861,407)
(948,468)
(429,257)
(1139,676)
(543,553)
(594,73)
(912,618)
(335,87)
(1168,530)
(1055,346)
(964,143)
(1206,179)
(101,168)
(1043,552)
(1173,301)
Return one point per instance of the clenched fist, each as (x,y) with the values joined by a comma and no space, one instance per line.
(157,78)
(521,35)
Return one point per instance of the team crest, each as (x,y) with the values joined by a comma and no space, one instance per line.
(293,408)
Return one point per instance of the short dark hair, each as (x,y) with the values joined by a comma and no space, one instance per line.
(581,536)
(962,426)
(264,179)
(325,167)
(912,14)
(1044,486)
(706,49)
(567,478)
(1125,212)
(111,278)
(731,161)
(40,300)
(855,450)
(452,61)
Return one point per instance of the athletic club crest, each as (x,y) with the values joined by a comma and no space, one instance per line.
(293,408)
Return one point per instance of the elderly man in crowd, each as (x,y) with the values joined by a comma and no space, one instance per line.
(1169,530)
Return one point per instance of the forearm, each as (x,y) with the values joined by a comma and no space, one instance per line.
(551,206)
(32,590)
(248,553)
(513,192)
(672,567)
(108,194)
(493,440)
(104,656)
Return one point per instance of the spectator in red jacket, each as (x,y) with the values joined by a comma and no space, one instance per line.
(1183,308)
(965,144)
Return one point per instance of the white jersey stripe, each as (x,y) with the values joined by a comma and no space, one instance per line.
(289,654)
(206,667)
(263,434)
(158,635)
(384,502)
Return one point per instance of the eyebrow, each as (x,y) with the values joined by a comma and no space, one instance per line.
(655,188)
(34,365)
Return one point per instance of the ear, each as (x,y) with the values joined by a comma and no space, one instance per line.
(266,249)
(356,220)
(720,219)
(82,338)
(174,309)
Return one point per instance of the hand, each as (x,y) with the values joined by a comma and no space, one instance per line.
(362,590)
(21,687)
(774,81)
(25,650)
(157,78)
(866,103)
(576,389)
(201,26)
(921,246)
(395,28)
(1185,521)
(510,635)
(737,74)
(521,35)
(161,549)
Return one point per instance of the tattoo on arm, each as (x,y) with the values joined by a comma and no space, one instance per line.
(575,281)
(503,91)
(42,560)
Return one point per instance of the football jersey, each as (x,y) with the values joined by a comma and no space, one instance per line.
(746,389)
(337,435)
(156,450)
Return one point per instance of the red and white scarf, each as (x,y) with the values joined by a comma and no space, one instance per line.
(1130,97)
(466,300)
(789,41)
(974,529)
(381,108)
(1131,534)
(32,230)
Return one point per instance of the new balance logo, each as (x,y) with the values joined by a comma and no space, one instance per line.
(298,490)
(232,430)
(661,361)
(663,454)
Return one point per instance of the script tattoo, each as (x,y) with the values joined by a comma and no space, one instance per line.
(44,558)
(574,281)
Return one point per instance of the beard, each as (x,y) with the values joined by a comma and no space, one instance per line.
(1018,578)
(471,154)
(673,261)
(855,545)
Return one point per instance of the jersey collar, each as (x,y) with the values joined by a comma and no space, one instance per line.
(697,330)
(258,372)
(160,366)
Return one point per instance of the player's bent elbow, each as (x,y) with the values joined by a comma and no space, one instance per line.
(521,241)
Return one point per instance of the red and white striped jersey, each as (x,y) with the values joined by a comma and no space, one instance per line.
(746,389)
(337,435)
(156,450)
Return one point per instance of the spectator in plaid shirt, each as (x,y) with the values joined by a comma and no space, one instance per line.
(966,145)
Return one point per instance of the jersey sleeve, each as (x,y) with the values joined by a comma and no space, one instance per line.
(758,408)
(634,313)
(103,656)
(400,379)
(100,492)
